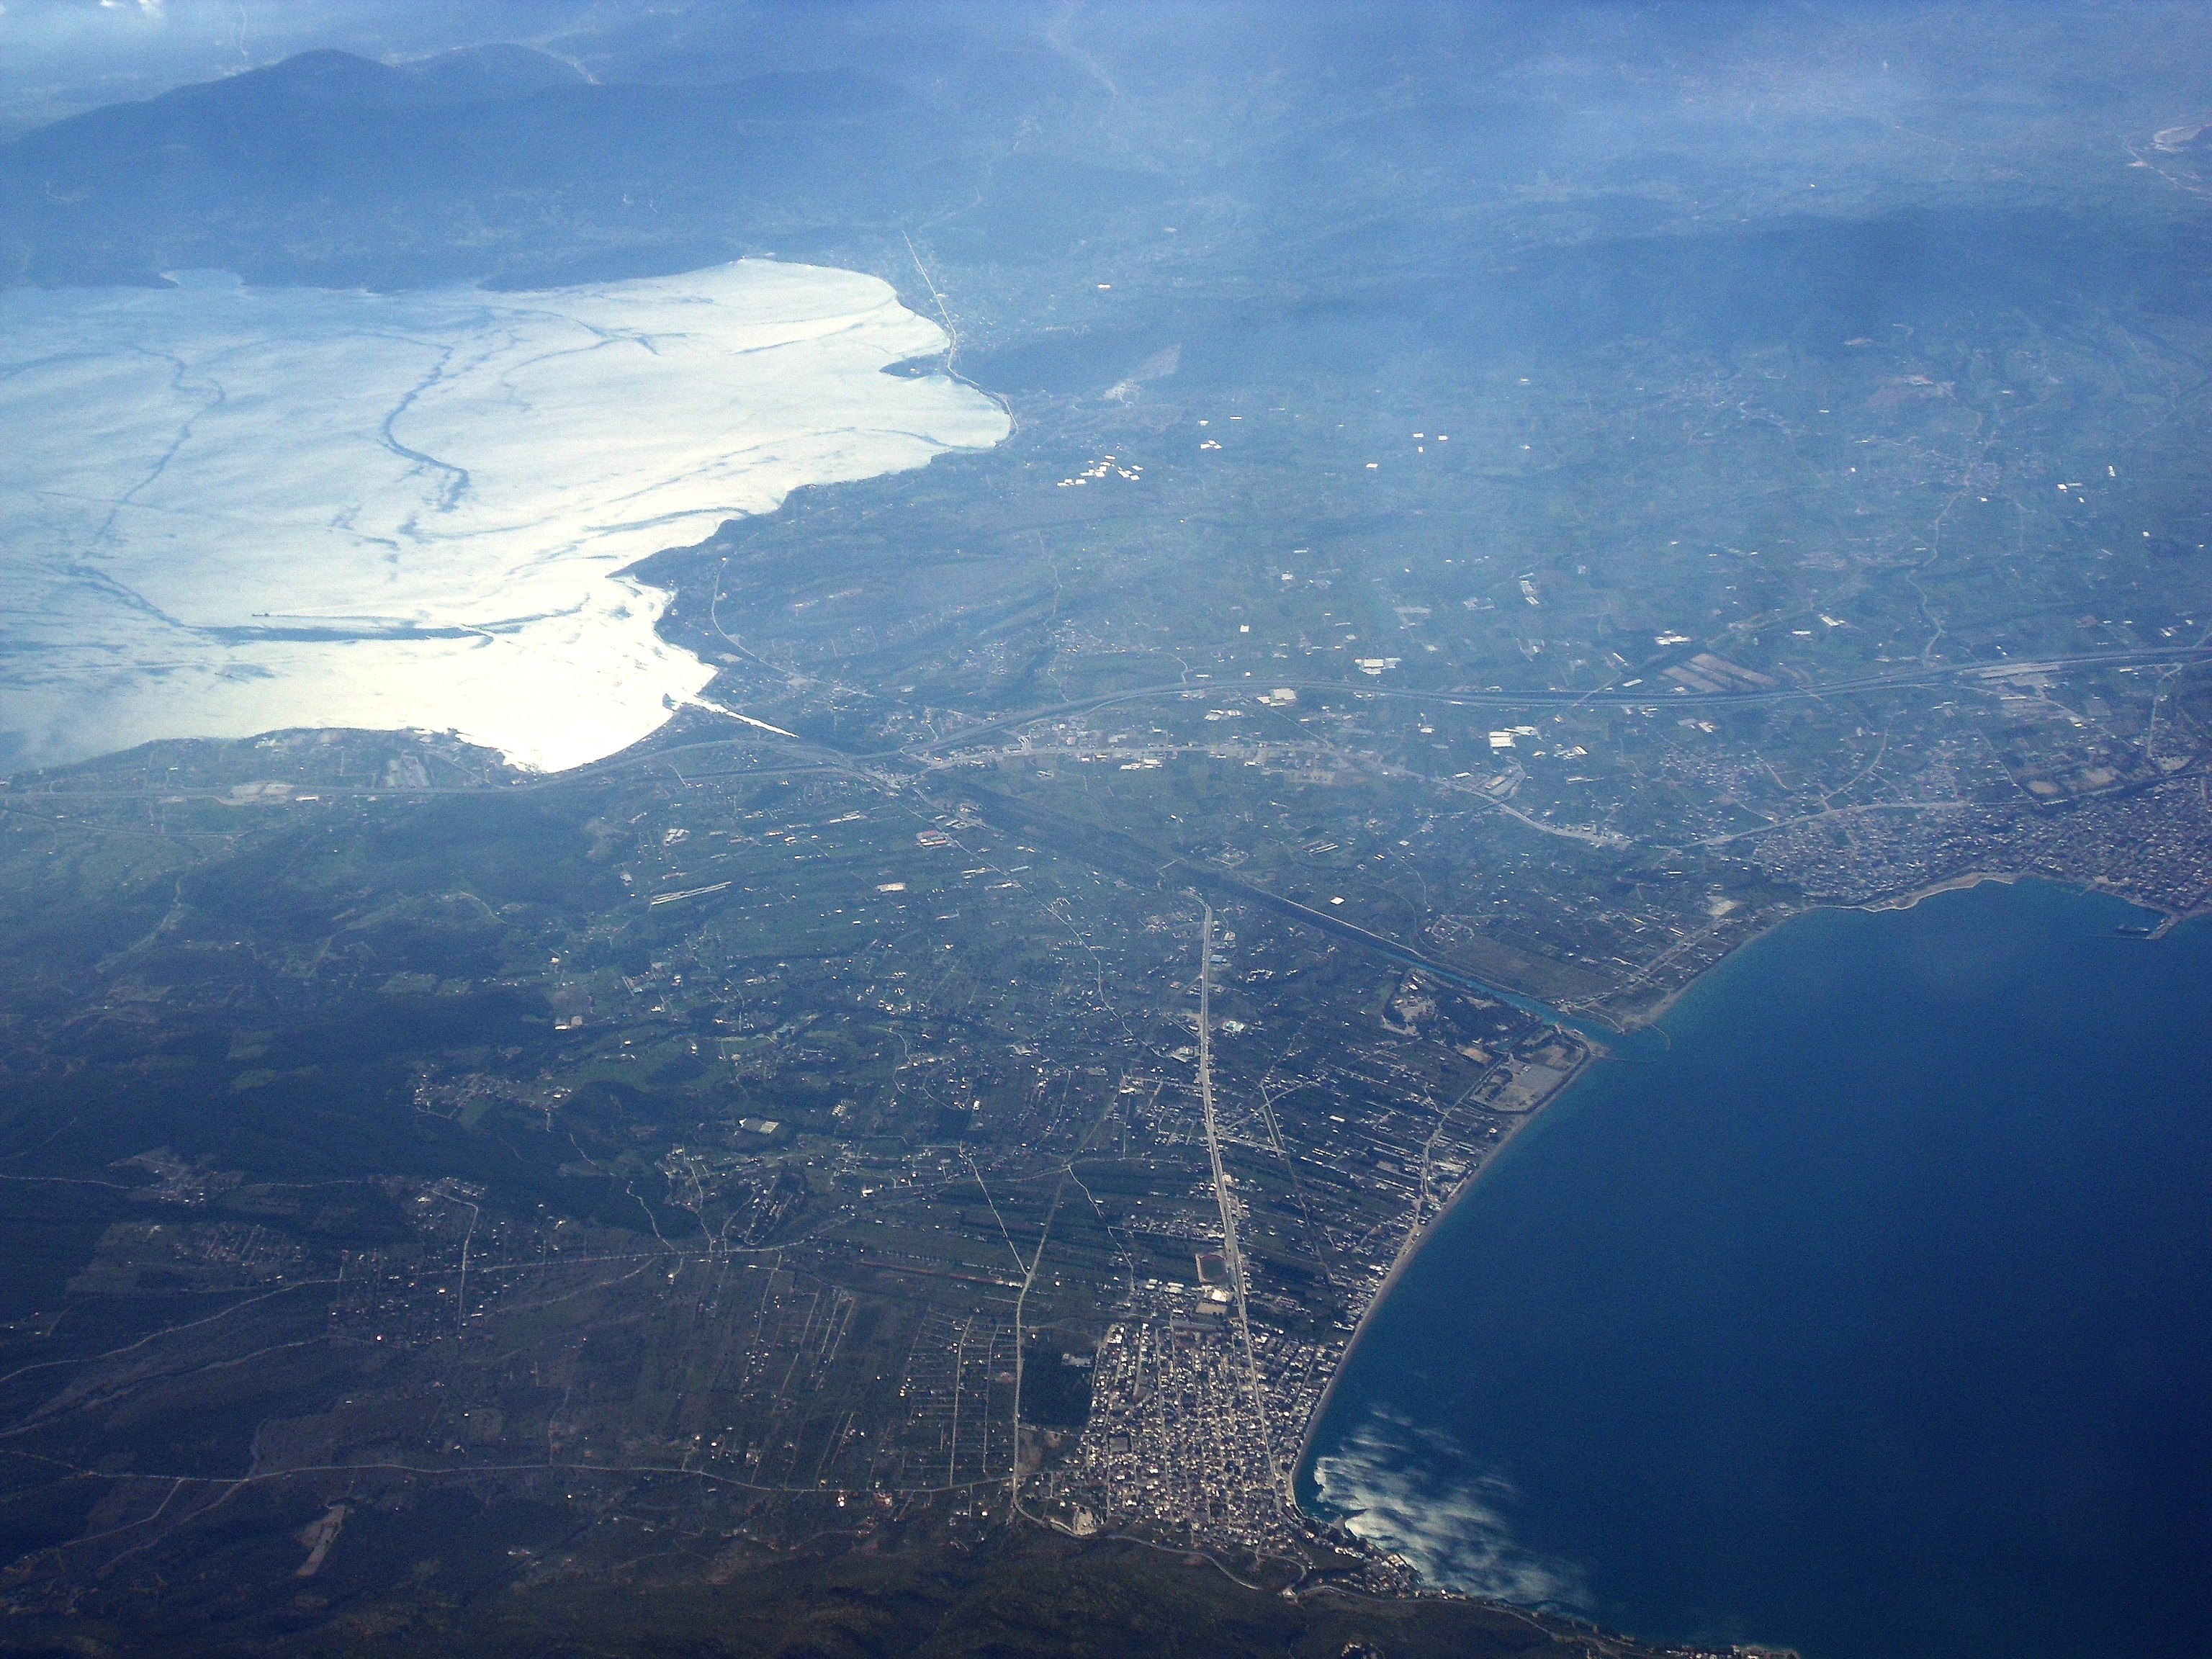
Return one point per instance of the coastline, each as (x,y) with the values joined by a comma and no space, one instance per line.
(1952,885)
(1659,1010)
(1594,1052)
(1905,901)
(2168,918)
(1411,1247)
(1632,1245)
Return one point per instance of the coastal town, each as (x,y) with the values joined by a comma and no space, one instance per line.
(883,1139)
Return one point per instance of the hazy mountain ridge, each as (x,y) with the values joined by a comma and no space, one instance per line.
(999,134)
(329,167)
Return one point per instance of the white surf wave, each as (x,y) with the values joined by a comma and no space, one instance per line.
(225,510)
(1410,1491)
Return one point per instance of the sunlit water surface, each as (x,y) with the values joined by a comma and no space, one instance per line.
(225,509)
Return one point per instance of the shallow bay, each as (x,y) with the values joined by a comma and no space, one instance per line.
(226,510)
(1874,1318)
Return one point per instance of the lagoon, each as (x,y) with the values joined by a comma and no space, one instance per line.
(1874,1317)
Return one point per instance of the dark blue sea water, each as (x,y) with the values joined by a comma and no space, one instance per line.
(1874,1318)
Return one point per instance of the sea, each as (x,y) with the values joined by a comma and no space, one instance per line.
(1870,1317)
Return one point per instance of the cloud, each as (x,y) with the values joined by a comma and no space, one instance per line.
(1412,1491)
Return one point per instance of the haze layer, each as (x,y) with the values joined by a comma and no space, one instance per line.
(226,510)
